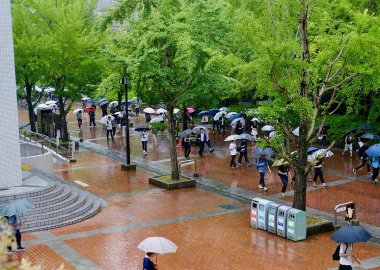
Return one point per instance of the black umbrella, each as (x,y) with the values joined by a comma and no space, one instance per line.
(365,127)
(142,128)
(184,133)
(352,130)
(370,136)
(351,234)
(326,126)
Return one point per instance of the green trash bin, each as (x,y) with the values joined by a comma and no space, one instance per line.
(296,229)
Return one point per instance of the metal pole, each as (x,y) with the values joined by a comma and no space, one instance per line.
(128,149)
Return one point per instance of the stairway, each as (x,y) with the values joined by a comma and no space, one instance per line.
(56,204)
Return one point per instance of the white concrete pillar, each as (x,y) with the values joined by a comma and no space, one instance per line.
(10,161)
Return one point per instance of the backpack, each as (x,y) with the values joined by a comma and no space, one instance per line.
(335,255)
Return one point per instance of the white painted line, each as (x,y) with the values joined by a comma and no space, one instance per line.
(81,183)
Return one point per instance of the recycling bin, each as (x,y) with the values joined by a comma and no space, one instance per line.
(262,222)
(296,230)
(272,217)
(282,219)
(254,206)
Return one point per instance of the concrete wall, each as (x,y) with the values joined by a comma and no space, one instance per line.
(10,162)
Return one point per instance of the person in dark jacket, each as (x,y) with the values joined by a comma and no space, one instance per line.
(283,172)
(319,173)
(92,117)
(148,263)
(363,158)
(187,145)
(239,128)
(243,149)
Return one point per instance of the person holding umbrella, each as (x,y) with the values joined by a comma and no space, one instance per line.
(239,128)
(375,169)
(109,127)
(348,144)
(91,113)
(187,145)
(262,165)
(202,138)
(319,173)
(363,158)
(233,153)
(79,118)
(243,149)
(144,141)
(222,121)
(14,222)
(148,263)
(283,172)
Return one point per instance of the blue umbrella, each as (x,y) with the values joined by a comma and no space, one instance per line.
(365,127)
(351,234)
(184,133)
(370,136)
(374,150)
(236,116)
(247,137)
(16,207)
(142,128)
(262,152)
(203,113)
(213,111)
(311,149)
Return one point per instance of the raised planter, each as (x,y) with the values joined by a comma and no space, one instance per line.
(316,225)
(166,182)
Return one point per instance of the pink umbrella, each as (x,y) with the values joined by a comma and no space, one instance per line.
(190,110)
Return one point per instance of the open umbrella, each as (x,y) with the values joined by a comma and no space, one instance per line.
(233,137)
(149,110)
(365,127)
(203,113)
(213,111)
(352,130)
(262,152)
(374,150)
(159,245)
(235,116)
(218,115)
(51,102)
(113,104)
(161,110)
(50,89)
(326,126)
(102,102)
(198,129)
(267,128)
(43,107)
(255,119)
(230,114)
(142,128)
(190,110)
(272,134)
(85,98)
(247,137)
(77,110)
(15,207)
(234,122)
(370,136)
(351,234)
(184,133)
(105,118)
(312,149)
(225,109)
(156,120)
(279,162)
(321,153)
(122,114)
(175,111)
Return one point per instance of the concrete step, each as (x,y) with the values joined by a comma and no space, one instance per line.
(61,196)
(88,210)
(29,195)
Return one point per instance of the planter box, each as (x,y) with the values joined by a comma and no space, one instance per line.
(165,181)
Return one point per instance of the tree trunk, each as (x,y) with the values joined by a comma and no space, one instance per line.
(32,119)
(173,145)
(119,96)
(62,113)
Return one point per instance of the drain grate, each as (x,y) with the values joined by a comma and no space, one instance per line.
(228,206)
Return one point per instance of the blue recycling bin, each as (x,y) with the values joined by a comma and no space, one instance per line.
(262,222)
(282,219)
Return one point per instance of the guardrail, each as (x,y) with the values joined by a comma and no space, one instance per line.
(190,162)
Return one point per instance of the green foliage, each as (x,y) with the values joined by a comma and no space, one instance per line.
(156,127)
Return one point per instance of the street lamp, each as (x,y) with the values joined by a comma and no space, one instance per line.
(128,166)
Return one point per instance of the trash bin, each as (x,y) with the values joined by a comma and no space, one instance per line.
(296,230)
(282,219)
(262,222)
(254,206)
(272,217)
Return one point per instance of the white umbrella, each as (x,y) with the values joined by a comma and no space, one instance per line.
(50,102)
(77,110)
(38,89)
(219,114)
(43,107)
(223,109)
(272,134)
(161,110)
(233,137)
(156,120)
(198,129)
(159,245)
(231,114)
(175,110)
(105,118)
(49,89)
(296,131)
(85,98)
(255,119)
(52,105)
(113,104)
(321,153)
(149,110)
(233,123)
(267,128)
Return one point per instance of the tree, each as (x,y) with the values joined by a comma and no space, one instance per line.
(304,57)
(71,49)
(168,49)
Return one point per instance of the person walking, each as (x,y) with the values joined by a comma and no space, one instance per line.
(375,169)
(148,117)
(109,127)
(92,117)
(233,153)
(204,119)
(144,142)
(202,139)
(148,263)
(262,165)
(243,149)
(239,128)
(323,136)
(15,223)
(79,118)
(348,144)
(283,172)
(114,125)
(187,145)
(346,253)
(363,158)
(222,121)
(319,173)
(215,123)
(137,108)
(254,132)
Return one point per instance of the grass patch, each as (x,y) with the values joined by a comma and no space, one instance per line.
(311,220)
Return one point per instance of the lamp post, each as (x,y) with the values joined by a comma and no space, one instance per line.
(128,166)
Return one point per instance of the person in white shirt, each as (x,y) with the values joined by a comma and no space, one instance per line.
(144,142)
(109,127)
(233,154)
(346,253)
(204,119)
